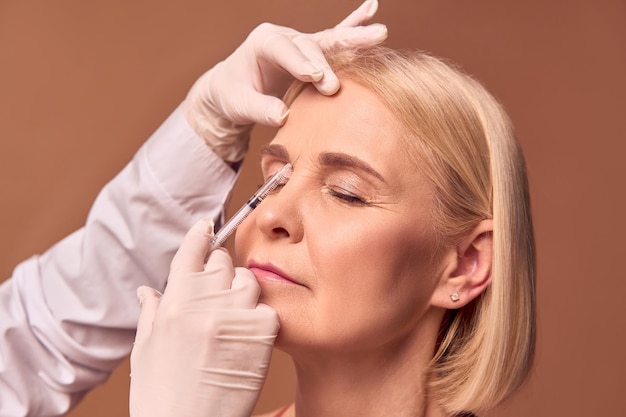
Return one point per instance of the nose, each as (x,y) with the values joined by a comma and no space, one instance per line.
(279,216)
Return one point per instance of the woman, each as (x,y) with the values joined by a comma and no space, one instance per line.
(69,314)
(399,256)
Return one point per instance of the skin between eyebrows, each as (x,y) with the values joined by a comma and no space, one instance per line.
(327,159)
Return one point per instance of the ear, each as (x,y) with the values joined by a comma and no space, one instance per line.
(467,271)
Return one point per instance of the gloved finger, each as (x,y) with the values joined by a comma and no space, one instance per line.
(149,300)
(247,288)
(329,83)
(199,288)
(269,324)
(247,327)
(193,250)
(218,271)
(351,37)
(281,49)
(361,15)
(258,108)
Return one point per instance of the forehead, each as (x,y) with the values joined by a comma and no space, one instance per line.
(353,121)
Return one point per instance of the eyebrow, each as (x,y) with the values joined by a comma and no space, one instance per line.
(277,151)
(343,160)
(329,159)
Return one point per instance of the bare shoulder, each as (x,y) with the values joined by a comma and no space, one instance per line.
(284,411)
(270,414)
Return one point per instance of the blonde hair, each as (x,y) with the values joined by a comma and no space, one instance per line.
(467,148)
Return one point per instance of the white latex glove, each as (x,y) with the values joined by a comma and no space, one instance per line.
(203,348)
(244,88)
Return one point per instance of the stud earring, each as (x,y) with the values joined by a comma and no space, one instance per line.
(455,297)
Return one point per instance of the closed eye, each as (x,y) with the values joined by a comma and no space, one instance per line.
(347,197)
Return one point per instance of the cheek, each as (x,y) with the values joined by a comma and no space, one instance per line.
(384,248)
(374,271)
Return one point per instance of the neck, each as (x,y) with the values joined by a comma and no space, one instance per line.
(390,380)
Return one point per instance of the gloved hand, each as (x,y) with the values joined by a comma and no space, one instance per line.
(244,88)
(203,348)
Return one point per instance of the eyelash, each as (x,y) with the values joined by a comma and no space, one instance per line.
(348,198)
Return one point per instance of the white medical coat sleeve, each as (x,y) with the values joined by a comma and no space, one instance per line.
(68,317)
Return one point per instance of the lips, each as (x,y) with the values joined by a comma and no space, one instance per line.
(270,273)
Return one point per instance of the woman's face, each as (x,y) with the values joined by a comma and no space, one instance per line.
(344,252)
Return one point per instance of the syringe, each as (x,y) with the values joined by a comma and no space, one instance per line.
(279,178)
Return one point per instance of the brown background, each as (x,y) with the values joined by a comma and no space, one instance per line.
(83,84)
